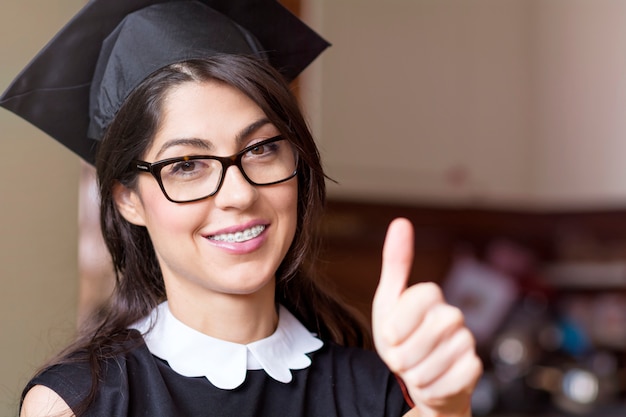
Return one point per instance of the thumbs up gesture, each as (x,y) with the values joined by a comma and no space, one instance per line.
(422,339)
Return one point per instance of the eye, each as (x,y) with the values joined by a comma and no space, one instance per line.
(184,166)
(264,149)
(189,169)
(258,150)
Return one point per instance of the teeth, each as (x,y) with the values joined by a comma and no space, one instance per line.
(239,237)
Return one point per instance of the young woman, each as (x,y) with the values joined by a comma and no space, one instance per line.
(211,189)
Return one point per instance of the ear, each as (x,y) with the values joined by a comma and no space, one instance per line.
(129,204)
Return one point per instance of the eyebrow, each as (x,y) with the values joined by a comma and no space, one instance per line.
(250,129)
(195,142)
(207,144)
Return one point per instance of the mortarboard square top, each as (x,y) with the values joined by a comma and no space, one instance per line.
(110,46)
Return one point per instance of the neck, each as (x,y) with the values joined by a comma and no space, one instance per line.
(232,317)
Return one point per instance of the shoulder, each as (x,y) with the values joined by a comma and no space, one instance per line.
(41,401)
(69,383)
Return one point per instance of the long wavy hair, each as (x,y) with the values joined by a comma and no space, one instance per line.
(139,282)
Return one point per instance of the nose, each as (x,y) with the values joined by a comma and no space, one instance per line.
(236,191)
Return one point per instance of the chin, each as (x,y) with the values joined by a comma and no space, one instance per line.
(247,287)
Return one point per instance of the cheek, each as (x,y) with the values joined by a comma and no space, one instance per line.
(282,201)
(163,216)
(287,201)
(289,208)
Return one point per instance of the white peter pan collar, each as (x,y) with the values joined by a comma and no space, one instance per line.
(194,354)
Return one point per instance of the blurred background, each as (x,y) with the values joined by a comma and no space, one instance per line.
(496,126)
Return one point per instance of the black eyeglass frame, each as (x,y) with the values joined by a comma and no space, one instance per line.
(155,168)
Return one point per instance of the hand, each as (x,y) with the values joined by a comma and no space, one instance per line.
(420,337)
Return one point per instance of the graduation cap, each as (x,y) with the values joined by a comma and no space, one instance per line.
(72,89)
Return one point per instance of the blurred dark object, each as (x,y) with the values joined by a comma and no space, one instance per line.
(483,294)
(545,293)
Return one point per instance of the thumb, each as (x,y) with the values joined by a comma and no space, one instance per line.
(396,267)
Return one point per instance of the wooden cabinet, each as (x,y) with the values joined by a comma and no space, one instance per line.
(575,268)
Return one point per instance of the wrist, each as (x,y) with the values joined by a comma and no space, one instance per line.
(422,410)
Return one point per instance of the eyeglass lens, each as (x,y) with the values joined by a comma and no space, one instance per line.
(195,178)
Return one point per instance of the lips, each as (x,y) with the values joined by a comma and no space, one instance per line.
(239,236)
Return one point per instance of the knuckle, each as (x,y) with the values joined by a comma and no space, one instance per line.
(477,367)
(431,291)
(412,379)
(455,315)
(433,397)
(452,317)
(467,338)
(393,361)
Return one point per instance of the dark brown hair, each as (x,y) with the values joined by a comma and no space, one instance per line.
(139,282)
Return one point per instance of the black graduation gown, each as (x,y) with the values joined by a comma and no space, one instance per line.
(340,382)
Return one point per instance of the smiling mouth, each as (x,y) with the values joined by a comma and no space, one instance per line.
(239,237)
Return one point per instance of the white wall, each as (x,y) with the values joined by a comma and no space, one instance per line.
(38,227)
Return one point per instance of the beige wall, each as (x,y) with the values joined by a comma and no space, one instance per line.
(38,225)
(486,102)
(579,100)
(414,93)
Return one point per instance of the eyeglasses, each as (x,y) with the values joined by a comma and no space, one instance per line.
(191,178)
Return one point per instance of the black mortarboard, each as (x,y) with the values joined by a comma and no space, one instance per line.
(53,91)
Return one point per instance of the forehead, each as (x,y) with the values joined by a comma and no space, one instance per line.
(209,103)
(210,110)
(209,117)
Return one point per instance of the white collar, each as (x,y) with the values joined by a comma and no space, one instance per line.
(192,353)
